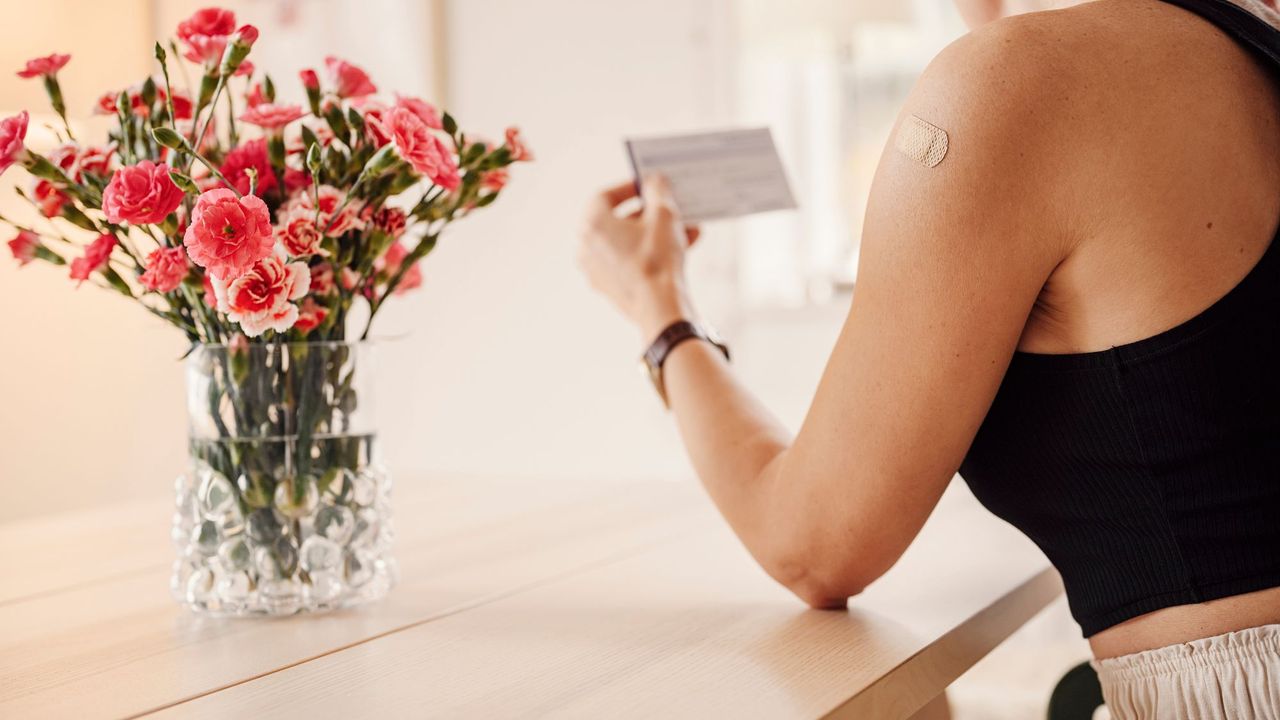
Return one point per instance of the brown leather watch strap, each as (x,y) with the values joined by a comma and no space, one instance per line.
(674,334)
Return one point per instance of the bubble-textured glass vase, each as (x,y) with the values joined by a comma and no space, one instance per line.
(283,509)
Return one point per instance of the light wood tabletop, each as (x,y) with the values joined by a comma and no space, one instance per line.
(516,599)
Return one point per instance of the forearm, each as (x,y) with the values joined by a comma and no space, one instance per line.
(739,451)
(732,439)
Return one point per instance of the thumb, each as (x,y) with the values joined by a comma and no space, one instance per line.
(658,200)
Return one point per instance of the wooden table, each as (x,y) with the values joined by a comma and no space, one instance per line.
(515,600)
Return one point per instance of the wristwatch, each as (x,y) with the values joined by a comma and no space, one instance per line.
(674,334)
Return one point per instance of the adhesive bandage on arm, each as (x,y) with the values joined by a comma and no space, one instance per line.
(922,141)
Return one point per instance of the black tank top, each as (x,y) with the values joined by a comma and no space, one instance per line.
(1149,474)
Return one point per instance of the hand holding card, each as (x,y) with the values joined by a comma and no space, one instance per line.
(717,175)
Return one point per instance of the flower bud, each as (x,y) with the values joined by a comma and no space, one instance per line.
(381,161)
(167,137)
(247,34)
(313,159)
(238,49)
(312,84)
(184,183)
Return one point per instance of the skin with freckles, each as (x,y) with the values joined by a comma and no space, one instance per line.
(1112,170)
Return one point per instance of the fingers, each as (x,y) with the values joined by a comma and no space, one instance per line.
(658,200)
(613,196)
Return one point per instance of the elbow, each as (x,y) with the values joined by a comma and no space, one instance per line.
(820,582)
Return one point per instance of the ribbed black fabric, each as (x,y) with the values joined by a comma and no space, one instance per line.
(1150,473)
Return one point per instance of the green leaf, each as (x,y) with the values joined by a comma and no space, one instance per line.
(268,88)
(48,255)
(115,281)
(74,216)
(472,154)
(160,54)
(499,158)
(355,119)
(450,125)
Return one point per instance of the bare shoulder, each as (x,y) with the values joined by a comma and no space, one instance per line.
(1058,105)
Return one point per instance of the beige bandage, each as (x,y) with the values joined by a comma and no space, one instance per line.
(922,142)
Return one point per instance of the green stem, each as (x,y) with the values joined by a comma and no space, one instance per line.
(424,246)
(231,121)
(213,109)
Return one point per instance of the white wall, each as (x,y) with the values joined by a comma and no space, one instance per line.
(90,395)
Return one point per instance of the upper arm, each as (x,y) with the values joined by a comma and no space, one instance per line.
(952,260)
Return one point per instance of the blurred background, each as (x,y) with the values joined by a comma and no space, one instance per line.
(504,362)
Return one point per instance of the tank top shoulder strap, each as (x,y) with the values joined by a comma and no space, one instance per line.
(1249,27)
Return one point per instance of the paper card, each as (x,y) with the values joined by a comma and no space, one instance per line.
(717,175)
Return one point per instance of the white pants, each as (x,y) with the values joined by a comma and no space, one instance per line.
(1234,676)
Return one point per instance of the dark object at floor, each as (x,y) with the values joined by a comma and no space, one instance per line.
(1077,695)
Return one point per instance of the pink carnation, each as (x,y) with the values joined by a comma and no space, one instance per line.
(106,104)
(24,247)
(322,279)
(298,233)
(246,69)
(422,148)
(252,154)
(331,199)
(310,315)
(425,111)
(206,49)
(13,133)
(375,125)
(262,297)
(309,79)
(47,65)
(166,269)
(271,116)
(349,79)
(141,194)
(49,198)
(208,21)
(391,220)
(182,106)
(255,96)
(495,179)
(393,260)
(227,235)
(210,297)
(94,161)
(95,257)
(515,143)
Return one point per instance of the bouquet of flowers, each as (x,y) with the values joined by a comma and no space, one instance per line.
(225,213)
(256,228)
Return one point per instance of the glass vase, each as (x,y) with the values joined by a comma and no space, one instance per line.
(283,509)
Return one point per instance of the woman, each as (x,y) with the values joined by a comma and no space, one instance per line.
(1077,308)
